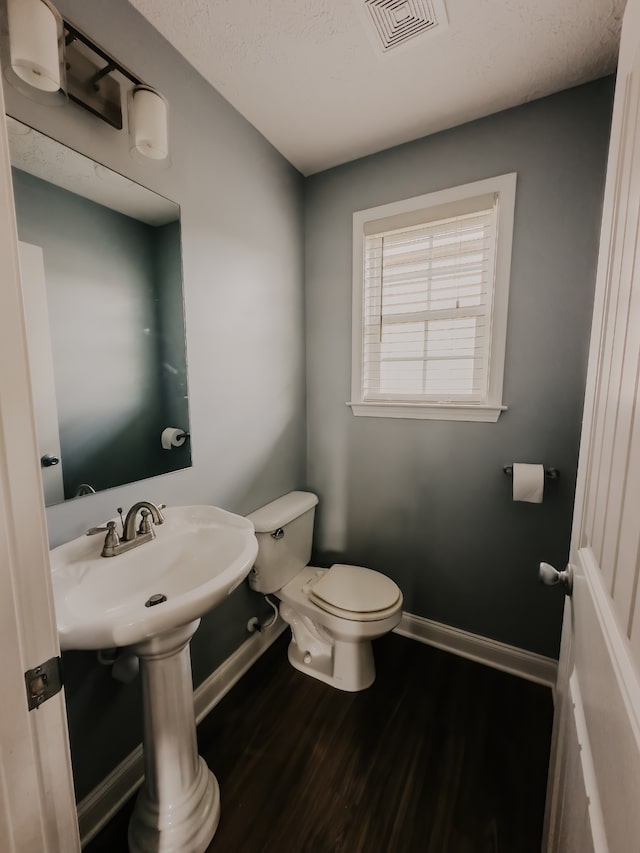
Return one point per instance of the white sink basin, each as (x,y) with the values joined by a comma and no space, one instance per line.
(199,556)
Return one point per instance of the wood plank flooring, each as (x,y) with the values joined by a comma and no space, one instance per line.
(440,755)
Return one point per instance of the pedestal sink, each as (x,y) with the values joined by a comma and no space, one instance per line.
(151,598)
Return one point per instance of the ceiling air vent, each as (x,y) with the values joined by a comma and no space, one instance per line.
(397,21)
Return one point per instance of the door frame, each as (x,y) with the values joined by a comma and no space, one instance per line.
(37,812)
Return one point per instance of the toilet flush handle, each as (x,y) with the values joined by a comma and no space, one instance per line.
(277,534)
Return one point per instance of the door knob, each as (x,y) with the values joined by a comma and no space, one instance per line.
(48,460)
(550,577)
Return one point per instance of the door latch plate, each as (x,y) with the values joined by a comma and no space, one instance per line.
(43,682)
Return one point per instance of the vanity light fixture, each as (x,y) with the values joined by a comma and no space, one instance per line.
(36,49)
(50,59)
(148,123)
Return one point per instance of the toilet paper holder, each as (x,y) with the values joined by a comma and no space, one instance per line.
(549,473)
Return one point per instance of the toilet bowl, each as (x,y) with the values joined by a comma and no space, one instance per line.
(334,613)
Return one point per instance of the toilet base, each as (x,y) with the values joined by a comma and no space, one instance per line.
(346,666)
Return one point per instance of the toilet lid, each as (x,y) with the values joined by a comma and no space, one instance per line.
(355,589)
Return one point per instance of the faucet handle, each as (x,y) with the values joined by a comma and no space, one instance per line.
(145,524)
(110,528)
(111,539)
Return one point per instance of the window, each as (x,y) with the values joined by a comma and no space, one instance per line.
(430,294)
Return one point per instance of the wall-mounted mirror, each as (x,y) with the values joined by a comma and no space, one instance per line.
(102,281)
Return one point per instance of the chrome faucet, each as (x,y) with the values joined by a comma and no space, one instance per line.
(131,538)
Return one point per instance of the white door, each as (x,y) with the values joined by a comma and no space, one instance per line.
(45,408)
(37,808)
(594,782)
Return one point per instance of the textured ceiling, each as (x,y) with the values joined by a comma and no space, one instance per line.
(311,77)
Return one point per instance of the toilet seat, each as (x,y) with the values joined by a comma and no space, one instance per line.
(353,592)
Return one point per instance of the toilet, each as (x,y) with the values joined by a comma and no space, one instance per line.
(334,613)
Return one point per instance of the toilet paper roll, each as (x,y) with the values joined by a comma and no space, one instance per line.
(528,482)
(172,437)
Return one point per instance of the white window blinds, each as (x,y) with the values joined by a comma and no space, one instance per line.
(427,308)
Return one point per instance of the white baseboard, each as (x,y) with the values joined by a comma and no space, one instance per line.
(98,807)
(511,659)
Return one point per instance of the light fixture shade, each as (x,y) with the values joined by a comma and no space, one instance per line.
(35,30)
(148,124)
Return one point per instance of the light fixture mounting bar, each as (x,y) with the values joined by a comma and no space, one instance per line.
(89,80)
(72,33)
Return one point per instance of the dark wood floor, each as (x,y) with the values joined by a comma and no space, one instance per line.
(440,755)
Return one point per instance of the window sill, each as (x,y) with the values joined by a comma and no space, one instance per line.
(429,411)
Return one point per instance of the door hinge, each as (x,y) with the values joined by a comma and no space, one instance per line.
(43,682)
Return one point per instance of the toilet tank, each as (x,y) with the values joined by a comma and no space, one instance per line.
(284,530)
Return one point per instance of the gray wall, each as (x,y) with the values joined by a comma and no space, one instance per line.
(241,209)
(427,502)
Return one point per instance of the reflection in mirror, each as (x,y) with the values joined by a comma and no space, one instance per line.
(102,282)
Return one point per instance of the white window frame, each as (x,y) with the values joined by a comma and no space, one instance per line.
(386,217)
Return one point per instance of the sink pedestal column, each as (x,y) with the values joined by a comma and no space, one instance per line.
(178,807)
